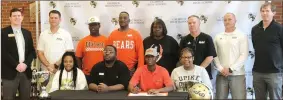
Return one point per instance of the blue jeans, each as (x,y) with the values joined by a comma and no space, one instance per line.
(270,83)
(236,84)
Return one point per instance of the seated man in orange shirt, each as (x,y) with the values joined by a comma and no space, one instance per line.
(151,78)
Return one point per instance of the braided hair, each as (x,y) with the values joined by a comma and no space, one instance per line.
(75,66)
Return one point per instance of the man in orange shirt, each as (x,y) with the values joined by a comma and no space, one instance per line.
(90,49)
(128,43)
(151,78)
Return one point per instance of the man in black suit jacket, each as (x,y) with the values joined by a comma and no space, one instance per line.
(17,54)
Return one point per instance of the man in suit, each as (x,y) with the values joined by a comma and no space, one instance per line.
(17,54)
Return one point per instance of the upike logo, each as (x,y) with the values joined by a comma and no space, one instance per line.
(203,18)
(73,21)
(136,3)
(93,4)
(219,19)
(179,20)
(52,4)
(156,3)
(114,21)
(113,4)
(137,21)
(181,2)
(202,2)
(251,16)
(72,5)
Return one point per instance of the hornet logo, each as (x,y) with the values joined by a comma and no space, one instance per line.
(203,18)
(136,3)
(252,16)
(252,54)
(179,36)
(73,21)
(114,21)
(229,1)
(155,18)
(52,4)
(181,2)
(93,4)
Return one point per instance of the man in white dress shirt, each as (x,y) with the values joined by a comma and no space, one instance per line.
(232,50)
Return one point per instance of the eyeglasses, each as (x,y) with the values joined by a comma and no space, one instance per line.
(186,57)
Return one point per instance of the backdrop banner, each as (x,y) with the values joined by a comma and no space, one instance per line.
(143,13)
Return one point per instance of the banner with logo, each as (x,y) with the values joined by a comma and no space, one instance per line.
(142,14)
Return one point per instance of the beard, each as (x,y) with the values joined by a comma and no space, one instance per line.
(110,60)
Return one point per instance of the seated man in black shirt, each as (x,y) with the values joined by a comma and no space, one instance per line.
(110,74)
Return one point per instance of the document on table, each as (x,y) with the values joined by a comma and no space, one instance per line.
(146,94)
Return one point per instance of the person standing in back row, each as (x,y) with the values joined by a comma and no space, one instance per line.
(232,52)
(167,46)
(201,43)
(90,49)
(267,38)
(17,53)
(128,43)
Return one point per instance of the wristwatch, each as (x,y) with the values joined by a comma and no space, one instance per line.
(230,70)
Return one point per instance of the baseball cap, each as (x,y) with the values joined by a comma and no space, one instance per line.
(93,19)
(151,51)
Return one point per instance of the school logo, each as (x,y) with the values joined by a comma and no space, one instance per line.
(250,90)
(93,4)
(73,21)
(114,21)
(52,4)
(181,2)
(179,36)
(155,18)
(136,3)
(251,54)
(229,1)
(203,18)
(251,16)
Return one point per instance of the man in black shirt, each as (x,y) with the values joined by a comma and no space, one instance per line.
(110,74)
(201,43)
(267,38)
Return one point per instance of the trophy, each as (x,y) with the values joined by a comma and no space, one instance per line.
(43,78)
(34,91)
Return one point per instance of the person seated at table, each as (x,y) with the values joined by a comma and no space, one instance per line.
(69,76)
(188,72)
(151,78)
(110,74)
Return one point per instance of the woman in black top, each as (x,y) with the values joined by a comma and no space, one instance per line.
(166,45)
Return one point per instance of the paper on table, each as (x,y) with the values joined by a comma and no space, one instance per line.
(146,94)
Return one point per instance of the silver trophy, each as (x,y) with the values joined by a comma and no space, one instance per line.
(43,79)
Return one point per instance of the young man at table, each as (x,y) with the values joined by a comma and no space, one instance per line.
(151,78)
(110,74)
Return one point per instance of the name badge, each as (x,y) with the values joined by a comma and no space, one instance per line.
(201,42)
(11,35)
(234,37)
(101,74)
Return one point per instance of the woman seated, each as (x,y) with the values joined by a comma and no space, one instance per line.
(69,76)
(188,73)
